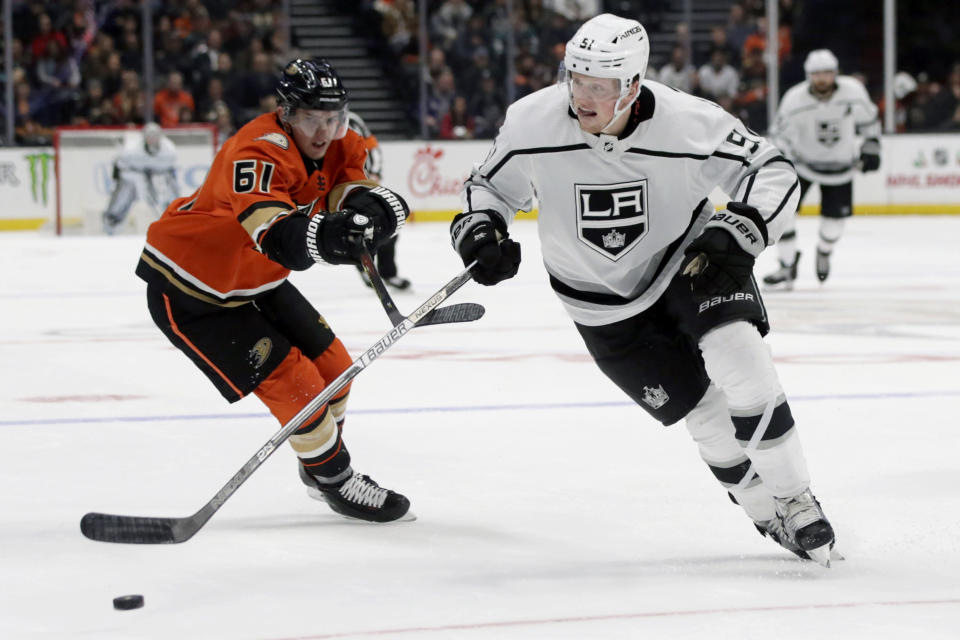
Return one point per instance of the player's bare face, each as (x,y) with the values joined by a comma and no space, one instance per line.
(594,100)
(314,130)
(823,81)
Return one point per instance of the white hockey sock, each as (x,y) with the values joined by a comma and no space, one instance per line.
(831,229)
(711,428)
(787,244)
(739,362)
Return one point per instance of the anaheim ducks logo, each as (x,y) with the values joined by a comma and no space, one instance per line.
(260,352)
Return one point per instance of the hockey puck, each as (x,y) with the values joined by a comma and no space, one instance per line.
(123,603)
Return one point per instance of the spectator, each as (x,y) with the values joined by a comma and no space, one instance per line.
(738,27)
(253,86)
(718,41)
(131,53)
(399,25)
(487,107)
(751,102)
(679,74)
(90,105)
(474,73)
(448,22)
(59,77)
(719,81)
(129,102)
(438,102)
(944,105)
(168,102)
(113,77)
(38,46)
(457,123)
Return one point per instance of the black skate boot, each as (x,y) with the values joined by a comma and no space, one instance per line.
(823,265)
(398,283)
(783,277)
(773,529)
(359,497)
(805,524)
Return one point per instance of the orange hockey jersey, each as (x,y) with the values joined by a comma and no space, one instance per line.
(207,244)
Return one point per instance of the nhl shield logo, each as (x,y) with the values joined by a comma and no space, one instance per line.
(612,218)
(828,132)
(656,397)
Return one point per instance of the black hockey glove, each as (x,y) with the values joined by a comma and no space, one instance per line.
(387,209)
(338,237)
(870,155)
(720,260)
(482,236)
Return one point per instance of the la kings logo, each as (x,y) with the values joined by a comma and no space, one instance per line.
(612,218)
(828,132)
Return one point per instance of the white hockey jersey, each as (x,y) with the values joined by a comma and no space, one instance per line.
(821,137)
(616,214)
(135,158)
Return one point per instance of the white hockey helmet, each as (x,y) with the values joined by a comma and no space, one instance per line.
(903,85)
(820,60)
(151,136)
(608,46)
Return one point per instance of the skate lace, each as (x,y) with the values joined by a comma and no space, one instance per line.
(799,511)
(361,490)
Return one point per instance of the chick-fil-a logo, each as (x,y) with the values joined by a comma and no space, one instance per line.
(426,179)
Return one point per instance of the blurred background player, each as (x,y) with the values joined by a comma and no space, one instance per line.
(386,257)
(287,191)
(818,126)
(145,170)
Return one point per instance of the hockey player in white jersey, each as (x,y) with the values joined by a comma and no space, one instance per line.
(146,170)
(819,125)
(658,283)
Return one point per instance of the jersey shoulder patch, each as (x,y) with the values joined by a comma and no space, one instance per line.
(276,138)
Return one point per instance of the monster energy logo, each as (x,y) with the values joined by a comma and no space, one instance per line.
(39,164)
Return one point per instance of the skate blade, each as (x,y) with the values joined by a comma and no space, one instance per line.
(822,555)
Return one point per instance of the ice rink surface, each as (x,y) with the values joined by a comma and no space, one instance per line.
(549,506)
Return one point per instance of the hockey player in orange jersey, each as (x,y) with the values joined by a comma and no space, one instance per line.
(287,191)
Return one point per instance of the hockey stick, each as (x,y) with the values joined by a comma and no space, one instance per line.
(462,312)
(143,530)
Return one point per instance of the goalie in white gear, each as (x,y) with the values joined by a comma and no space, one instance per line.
(658,284)
(819,126)
(146,170)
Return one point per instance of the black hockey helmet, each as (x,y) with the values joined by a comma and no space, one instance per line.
(311,84)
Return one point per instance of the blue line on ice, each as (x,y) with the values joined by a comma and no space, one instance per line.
(547,406)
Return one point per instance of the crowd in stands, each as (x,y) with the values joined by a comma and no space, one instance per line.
(81,63)
(467,59)
(216,61)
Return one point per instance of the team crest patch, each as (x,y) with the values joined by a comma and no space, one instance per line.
(260,352)
(276,138)
(656,397)
(828,132)
(612,218)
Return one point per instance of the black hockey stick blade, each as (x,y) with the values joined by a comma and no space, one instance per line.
(105,527)
(462,312)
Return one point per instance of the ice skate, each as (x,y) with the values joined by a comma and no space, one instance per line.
(806,525)
(823,265)
(784,277)
(773,529)
(398,283)
(359,497)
